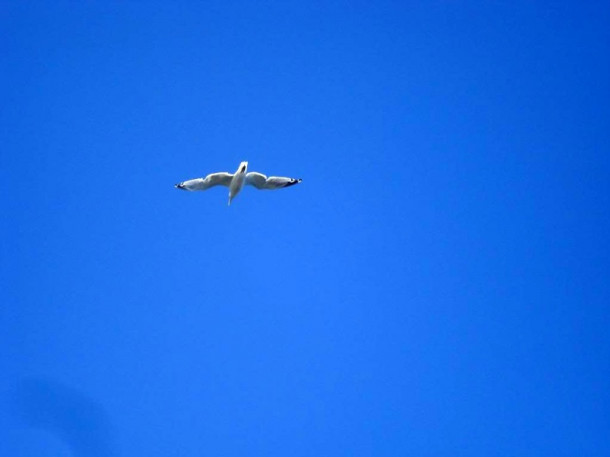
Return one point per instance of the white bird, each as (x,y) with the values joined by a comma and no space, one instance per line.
(236,181)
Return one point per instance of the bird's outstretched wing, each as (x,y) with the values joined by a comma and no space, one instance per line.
(260,181)
(211,180)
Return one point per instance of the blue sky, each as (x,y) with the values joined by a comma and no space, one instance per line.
(437,285)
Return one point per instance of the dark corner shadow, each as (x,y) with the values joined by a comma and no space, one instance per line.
(76,419)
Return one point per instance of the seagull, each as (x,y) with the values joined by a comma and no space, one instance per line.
(236,181)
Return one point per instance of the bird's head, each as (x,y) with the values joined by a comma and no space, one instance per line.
(243,167)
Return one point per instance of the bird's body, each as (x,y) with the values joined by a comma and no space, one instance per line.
(236,181)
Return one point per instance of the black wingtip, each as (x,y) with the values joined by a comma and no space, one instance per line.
(293,182)
(179,186)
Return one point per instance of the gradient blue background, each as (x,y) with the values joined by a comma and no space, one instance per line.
(438,285)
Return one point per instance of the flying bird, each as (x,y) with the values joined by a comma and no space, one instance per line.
(236,181)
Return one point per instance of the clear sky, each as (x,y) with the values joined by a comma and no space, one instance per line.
(438,284)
